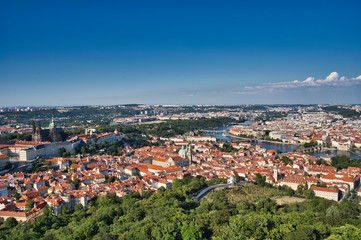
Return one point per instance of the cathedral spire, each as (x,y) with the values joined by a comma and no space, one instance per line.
(34,127)
(52,124)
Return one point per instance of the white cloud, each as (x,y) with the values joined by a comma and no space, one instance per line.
(332,79)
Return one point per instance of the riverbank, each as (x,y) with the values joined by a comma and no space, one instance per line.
(222,134)
(227,133)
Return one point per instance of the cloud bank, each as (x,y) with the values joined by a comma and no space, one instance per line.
(332,79)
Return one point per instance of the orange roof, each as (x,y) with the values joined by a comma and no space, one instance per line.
(345,178)
(4,146)
(30,143)
(160,159)
(13,214)
(324,189)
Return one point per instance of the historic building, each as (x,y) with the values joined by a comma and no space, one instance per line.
(52,134)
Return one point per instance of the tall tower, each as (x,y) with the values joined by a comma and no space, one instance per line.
(189,154)
(54,134)
(37,133)
(34,128)
(52,130)
(275,173)
(52,124)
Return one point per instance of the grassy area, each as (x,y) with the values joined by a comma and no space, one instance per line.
(281,200)
(248,193)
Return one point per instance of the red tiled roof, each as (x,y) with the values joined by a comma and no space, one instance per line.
(315,188)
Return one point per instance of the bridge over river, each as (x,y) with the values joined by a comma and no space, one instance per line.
(212,131)
(313,149)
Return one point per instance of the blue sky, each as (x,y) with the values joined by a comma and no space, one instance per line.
(179,52)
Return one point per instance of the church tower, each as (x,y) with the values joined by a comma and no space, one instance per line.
(189,155)
(275,173)
(52,130)
(33,129)
(52,124)
(54,134)
(36,133)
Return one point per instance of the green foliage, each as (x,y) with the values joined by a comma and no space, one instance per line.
(47,163)
(191,231)
(29,205)
(259,179)
(16,195)
(313,143)
(333,212)
(111,179)
(244,212)
(322,161)
(238,178)
(10,222)
(286,160)
(16,136)
(63,153)
(342,161)
(38,165)
(76,182)
(228,148)
(168,128)
(309,193)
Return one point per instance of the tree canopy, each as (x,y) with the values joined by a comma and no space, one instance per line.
(244,212)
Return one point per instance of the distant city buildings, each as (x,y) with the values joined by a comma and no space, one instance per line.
(325,129)
(76,180)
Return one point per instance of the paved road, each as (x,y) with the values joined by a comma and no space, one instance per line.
(204,192)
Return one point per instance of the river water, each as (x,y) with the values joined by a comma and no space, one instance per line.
(282,147)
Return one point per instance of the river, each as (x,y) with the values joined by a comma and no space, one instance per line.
(282,147)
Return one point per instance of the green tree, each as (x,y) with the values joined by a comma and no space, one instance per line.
(47,163)
(266,205)
(300,189)
(191,231)
(111,179)
(309,193)
(16,195)
(76,182)
(259,179)
(332,211)
(311,144)
(286,160)
(61,151)
(10,222)
(303,233)
(29,205)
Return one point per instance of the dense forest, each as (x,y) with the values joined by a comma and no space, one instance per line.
(243,212)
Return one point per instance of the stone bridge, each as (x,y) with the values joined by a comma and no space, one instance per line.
(211,131)
(318,148)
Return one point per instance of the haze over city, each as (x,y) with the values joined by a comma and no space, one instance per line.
(187,52)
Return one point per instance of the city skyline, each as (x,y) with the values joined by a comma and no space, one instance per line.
(203,52)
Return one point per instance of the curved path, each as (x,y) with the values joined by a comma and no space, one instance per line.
(204,192)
